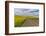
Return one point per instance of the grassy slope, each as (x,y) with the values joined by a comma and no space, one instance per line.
(19,20)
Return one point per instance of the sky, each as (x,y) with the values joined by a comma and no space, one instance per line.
(26,12)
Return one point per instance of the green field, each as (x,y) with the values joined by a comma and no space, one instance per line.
(19,20)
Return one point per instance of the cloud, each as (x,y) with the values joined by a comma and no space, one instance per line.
(26,12)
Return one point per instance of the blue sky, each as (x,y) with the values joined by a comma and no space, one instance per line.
(26,12)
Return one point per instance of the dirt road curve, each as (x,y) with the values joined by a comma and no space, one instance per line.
(30,22)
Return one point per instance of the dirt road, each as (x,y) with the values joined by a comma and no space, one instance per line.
(30,22)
